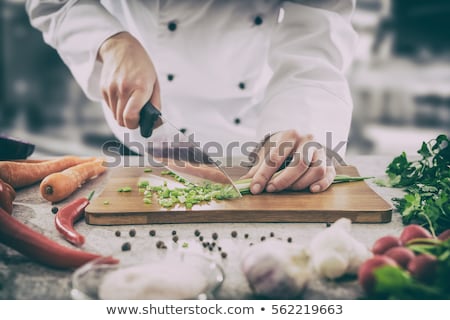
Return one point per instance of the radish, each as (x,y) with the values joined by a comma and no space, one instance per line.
(414,231)
(401,255)
(423,267)
(444,235)
(366,277)
(385,243)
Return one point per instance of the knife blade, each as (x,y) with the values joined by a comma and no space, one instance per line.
(178,153)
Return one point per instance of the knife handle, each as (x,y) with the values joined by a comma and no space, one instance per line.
(147,118)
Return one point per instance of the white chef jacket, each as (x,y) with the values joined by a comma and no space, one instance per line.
(228,70)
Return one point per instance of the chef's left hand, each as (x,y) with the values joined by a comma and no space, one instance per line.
(307,169)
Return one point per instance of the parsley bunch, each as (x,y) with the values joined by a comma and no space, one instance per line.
(427,185)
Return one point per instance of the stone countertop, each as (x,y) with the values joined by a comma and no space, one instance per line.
(21,278)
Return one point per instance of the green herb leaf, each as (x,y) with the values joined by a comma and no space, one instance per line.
(427,185)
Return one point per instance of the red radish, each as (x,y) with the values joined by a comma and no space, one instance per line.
(423,267)
(366,276)
(401,255)
(385,243)
(444,235)
(414,231)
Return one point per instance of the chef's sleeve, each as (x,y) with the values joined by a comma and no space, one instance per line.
(76,29)
(310,50)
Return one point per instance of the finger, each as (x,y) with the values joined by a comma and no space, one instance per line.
(251,172)
(155,98)
(120,110)
(156,101)
(324,183)
(113,94)
(301,161)
(316,171)
(272,162)
(255,158)
(134,105)
(111,106)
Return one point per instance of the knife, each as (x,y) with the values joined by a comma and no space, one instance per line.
(178,153)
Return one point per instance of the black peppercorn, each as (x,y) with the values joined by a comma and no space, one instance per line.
(117,233)
(126,246)
(174,232)
(246,236)
(263,238)
(289,239)
(234,234)
(132,233)
(200,238)
(328,224)
(204,244)
(55,210)
(152,233)
(219,248)
(223,255)
(272,234)
(175,239)
(196,233)
(215,236)
(159,244)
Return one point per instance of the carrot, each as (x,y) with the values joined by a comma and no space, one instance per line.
(60,185)
(21,174)
(30,160)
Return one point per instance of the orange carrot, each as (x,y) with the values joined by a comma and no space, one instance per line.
(30,160)
(60,185)
(21,174)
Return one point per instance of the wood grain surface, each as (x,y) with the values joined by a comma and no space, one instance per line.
(354,200)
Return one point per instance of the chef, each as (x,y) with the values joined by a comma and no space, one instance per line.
(231,71)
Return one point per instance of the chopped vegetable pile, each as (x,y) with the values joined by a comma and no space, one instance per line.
(427,185)
(188,195)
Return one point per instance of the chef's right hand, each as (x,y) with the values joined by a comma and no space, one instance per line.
(128,78)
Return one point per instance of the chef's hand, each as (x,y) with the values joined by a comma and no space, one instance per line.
(307,169)
(128,78)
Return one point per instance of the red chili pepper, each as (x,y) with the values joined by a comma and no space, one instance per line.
(7,196)
(40,248)
(68,215)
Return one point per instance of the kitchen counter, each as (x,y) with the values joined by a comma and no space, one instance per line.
(21,278)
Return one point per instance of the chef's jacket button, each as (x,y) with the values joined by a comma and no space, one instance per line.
(170,77)
(258,20)
(183,130)
(242,85)
(172,26)
(237,121)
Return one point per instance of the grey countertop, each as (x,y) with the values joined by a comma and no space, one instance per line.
(21,278)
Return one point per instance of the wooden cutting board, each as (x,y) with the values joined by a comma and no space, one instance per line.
(353,200)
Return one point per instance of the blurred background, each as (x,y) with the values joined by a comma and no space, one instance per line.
(400,82)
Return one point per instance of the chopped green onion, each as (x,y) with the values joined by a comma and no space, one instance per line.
(143,184)
(125,189)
